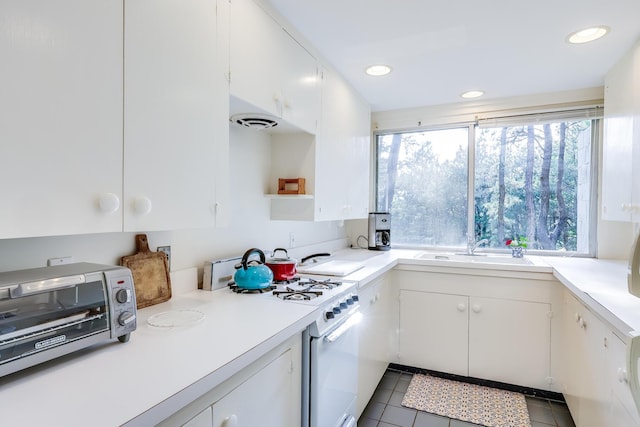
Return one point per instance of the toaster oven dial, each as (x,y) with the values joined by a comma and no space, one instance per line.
(123,295)
(126,317)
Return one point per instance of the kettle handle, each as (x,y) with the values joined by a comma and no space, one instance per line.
(245,257)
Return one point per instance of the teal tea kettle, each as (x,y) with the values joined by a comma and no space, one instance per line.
(253,274)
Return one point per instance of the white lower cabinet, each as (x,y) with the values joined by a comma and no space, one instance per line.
(584,378)
(434,331)
(267,393)
(508,340)
(595,381)
(490,338)
(494,328)
(376,339)
(622,409)
(266,399)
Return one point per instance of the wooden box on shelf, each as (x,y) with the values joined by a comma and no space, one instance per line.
(291,186)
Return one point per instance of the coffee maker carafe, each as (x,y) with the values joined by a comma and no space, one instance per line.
(380,231)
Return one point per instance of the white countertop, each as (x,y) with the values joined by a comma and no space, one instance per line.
(602,285)
(160,370)
(110,384)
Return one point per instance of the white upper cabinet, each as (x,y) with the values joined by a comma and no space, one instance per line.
(270,70)
(175,114)
(60,117)
(621,148)
(342,152)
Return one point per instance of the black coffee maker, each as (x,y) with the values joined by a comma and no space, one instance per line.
(379,231)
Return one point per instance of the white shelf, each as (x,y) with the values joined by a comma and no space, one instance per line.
(290,196)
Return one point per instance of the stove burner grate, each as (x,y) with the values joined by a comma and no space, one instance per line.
(319,284)
(240,290)
(287,281)
(290,294)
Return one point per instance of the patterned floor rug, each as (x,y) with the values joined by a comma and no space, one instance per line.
(467,402)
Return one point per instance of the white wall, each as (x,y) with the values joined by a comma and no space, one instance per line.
(250,223)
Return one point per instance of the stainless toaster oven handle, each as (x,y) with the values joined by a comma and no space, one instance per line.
(46,285)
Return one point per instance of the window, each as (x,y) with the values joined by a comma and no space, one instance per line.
(496,180)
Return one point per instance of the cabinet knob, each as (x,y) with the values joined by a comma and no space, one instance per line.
(142,205)
(461,307)
(576,317)
(230,421)
(622,375)
(477,308)
(581,323)
(108,203)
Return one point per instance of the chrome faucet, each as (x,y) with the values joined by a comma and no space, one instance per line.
(472,245)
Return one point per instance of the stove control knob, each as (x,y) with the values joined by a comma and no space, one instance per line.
(343,305)
(355,298)
(336,310)
(350,301)
(329,315)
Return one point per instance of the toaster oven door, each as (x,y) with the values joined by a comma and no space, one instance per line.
(44,315)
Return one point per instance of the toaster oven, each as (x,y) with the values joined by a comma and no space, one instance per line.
(52,311)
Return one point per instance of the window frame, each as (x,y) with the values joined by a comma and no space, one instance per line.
(594,114)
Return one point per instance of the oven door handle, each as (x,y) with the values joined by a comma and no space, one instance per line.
(350,322)
(46,285)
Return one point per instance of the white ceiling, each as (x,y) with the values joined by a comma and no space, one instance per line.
(439,49)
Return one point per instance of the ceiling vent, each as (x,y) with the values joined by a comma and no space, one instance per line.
(254,121)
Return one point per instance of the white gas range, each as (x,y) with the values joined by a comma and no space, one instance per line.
(330,343)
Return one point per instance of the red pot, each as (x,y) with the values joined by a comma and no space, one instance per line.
(283,266)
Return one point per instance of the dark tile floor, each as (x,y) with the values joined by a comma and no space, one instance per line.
(385,409)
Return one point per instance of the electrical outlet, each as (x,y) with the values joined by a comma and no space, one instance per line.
(167,252)
(292,239)
(60,261)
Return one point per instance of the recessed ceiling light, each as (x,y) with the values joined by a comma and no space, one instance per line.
(472,94)
(587,35)
(378,70)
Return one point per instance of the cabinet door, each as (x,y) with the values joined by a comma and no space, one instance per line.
(621,143)
(585,386)
(172,122)
(300,85)
(60,117)
(270,398)
(434,331)
(509,341)
(332,150)
(342,152)
(622,409)
(221,139)
(271,70)
(255,39)
(359,160)
(376,338)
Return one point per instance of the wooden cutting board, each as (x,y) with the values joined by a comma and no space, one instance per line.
(150,272)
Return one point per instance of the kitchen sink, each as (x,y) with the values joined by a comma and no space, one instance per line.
(475,258)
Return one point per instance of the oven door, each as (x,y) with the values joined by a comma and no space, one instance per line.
(39,316)
(334,375)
